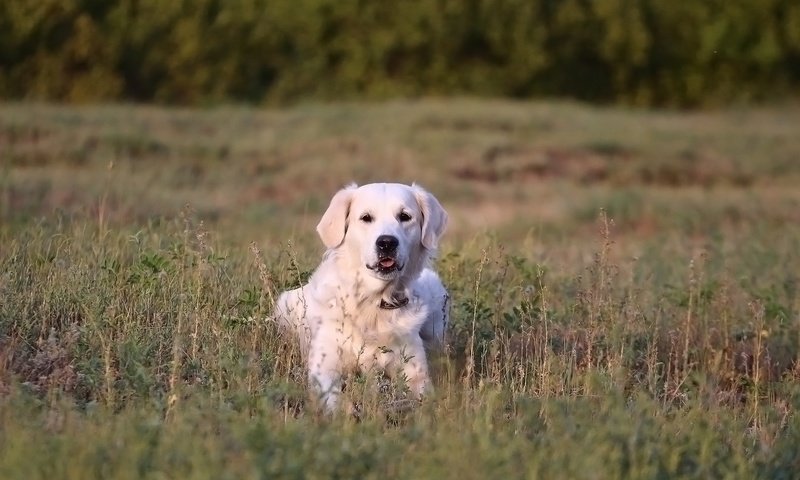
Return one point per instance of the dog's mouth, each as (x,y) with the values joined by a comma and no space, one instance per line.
(386,266)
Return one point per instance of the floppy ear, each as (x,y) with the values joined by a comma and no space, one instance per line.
(332,226)
(434,218)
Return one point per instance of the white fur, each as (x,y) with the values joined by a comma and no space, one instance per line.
(337,316)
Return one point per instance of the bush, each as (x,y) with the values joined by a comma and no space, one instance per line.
(642,52)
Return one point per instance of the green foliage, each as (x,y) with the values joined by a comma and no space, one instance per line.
(643,52)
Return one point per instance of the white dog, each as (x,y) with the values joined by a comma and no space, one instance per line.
(373,302)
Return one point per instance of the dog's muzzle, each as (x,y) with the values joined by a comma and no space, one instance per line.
(386,250)
(386,266)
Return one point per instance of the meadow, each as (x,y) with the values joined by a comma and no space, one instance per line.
(624,283)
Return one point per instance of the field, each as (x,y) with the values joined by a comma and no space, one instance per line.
(625,291)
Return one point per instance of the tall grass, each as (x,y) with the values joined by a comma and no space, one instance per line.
(657,337)
(138,353)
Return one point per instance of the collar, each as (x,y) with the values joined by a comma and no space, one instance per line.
(396,303)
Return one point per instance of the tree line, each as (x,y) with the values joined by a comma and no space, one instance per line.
(679,53)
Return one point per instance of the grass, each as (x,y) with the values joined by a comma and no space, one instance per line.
(625,289)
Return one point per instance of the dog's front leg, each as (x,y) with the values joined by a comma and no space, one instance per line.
(415,368)
(325,370)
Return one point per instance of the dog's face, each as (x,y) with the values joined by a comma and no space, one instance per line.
(388,228)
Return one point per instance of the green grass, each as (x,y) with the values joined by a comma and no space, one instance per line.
(625,291)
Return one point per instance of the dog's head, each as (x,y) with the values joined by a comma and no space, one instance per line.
(389,229)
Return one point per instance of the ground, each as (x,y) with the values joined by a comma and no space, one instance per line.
(624,282)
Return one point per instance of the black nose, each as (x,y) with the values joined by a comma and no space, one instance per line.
(386,243)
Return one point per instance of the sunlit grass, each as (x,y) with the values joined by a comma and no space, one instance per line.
(616,325)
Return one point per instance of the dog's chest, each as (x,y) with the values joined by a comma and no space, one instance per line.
(378,327)
(375,336)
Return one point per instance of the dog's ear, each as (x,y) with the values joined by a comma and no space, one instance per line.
(332,226)
(434,218)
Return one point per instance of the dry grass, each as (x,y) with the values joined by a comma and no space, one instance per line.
(625,290)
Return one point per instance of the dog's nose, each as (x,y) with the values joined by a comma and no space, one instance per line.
(386,243)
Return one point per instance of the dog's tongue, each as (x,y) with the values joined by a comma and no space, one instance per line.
(387,263)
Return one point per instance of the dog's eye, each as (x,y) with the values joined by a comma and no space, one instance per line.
(366,218)
(404,217)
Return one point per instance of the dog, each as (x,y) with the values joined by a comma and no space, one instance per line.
(374,302)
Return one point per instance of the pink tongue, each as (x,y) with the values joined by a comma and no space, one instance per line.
(387,263)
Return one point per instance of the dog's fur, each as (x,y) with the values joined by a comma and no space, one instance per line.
(369,305)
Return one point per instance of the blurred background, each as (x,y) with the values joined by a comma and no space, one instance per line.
(195,52)
(526,117)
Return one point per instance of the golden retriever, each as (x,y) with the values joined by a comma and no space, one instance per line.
(374,301)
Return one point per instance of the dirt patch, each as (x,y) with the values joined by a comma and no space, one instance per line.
(602,163)
(46,365)
(507,163)
(467,124)
(11,135)
(703,168)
